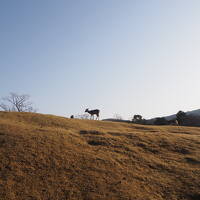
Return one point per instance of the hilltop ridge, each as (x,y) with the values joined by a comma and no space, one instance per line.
(48,157)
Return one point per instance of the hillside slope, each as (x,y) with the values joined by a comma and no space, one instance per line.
(44,157)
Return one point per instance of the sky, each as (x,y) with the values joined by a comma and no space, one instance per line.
(123,57)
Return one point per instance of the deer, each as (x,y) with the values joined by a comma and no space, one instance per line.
(92,113)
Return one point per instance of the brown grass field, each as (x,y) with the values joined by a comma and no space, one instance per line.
(44,157)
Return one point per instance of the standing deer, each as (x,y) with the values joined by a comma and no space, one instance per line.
(92,113)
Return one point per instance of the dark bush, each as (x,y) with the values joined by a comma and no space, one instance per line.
(161,121)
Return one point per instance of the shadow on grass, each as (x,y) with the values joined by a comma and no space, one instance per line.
(193,196)
(192,161)
(85,132)
(97,143)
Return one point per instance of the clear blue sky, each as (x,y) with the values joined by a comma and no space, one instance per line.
(121,56)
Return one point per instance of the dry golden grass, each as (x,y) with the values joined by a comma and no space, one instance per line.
(44,157)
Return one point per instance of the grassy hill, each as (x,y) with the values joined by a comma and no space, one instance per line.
(44,157)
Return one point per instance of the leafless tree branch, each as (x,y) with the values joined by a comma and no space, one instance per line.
(16,102)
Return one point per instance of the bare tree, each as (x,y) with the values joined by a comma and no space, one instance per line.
(18,103)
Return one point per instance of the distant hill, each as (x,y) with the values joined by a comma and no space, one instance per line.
(45,157)
(170,117)
(193,112)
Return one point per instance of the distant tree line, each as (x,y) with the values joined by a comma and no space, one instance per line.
(185,119)
(181,118)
